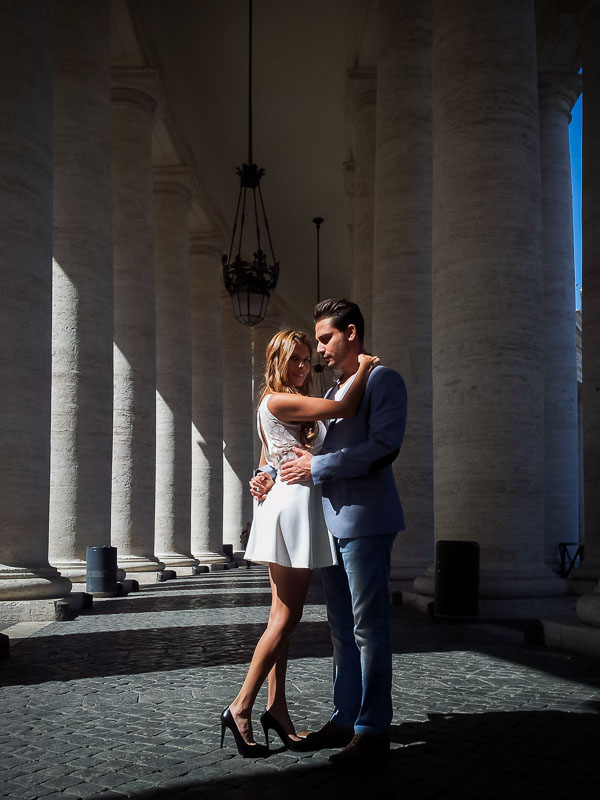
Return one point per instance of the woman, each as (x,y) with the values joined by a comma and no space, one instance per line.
(288,530)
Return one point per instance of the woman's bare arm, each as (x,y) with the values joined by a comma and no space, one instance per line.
(298,408)
(261,483)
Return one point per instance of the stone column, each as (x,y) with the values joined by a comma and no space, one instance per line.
(402,256)
(26,303)
(581,514)
(362,92)
(261,336)
(171,203)
(238,421)
(134,438)
(588,607)
(207,407)
(488,404)
(82,323)
(558,93)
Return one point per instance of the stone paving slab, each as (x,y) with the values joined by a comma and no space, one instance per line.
(124,702)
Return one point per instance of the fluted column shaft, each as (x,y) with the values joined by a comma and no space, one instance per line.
(557,96)
(26,302)
(134,438)
(402,256)
(171,203)
(588,607)
(487,293)
(207,407)
(362,91)
(238,422)
(82,323)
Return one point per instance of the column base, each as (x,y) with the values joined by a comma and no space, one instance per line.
(408,572)
(183,572)
(73,568)
(208,557)
(143,570)
(238,557)
(15,612)
(516,608)
(76,570)
(32,584)
(588,607)
(139,564)
(177,560)
(503,584)
(584,578)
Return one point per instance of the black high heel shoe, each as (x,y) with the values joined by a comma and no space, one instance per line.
(268,722)
(244,748)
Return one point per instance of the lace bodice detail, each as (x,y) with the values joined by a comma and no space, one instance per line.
(279,437)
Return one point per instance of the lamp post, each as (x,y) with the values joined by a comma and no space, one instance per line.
(250,281)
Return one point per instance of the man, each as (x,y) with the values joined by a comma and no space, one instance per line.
(363,512)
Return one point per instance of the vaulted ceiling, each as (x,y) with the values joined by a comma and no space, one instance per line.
(303,50)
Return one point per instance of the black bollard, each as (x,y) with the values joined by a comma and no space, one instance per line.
(456,579)
(101,576)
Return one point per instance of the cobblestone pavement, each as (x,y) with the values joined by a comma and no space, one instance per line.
(124,702)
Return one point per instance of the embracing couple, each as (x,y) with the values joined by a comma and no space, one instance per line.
(325,497)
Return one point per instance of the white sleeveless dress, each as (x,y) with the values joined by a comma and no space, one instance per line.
(288,527)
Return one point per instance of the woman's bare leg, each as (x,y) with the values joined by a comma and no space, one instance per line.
(288,592)
(277,700)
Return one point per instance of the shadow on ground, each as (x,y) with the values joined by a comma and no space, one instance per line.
(143,604)
(89,655)
(523,754)
(58,654)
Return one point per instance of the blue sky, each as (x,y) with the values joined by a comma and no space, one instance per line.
(575,145)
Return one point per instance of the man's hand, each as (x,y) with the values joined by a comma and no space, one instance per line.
(298,469)
(261,485)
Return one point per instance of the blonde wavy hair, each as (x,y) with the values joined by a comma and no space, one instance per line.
(277,357)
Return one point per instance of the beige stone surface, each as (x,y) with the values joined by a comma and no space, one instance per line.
(402,257)
(487,294)
(362,93)
(238,421)
(26,304)
(82,300)
(171,201)
(207,398)
(134,431)
(558,93)
(590,219)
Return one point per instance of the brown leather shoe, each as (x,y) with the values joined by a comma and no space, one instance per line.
(363,747)
(330,735)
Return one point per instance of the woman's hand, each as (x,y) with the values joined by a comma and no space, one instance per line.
(368,360)
(260,485)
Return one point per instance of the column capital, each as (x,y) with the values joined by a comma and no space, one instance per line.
(559,89)
(140,86)
(124,96)
(206,244)
(361,90)
(173,180)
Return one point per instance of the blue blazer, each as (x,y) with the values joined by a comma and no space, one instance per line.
(360,497)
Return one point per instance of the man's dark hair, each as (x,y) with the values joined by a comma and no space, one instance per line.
(341,313)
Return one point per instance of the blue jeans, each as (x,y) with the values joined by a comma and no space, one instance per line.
(358,611)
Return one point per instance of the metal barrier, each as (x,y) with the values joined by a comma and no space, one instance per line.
(565,556)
